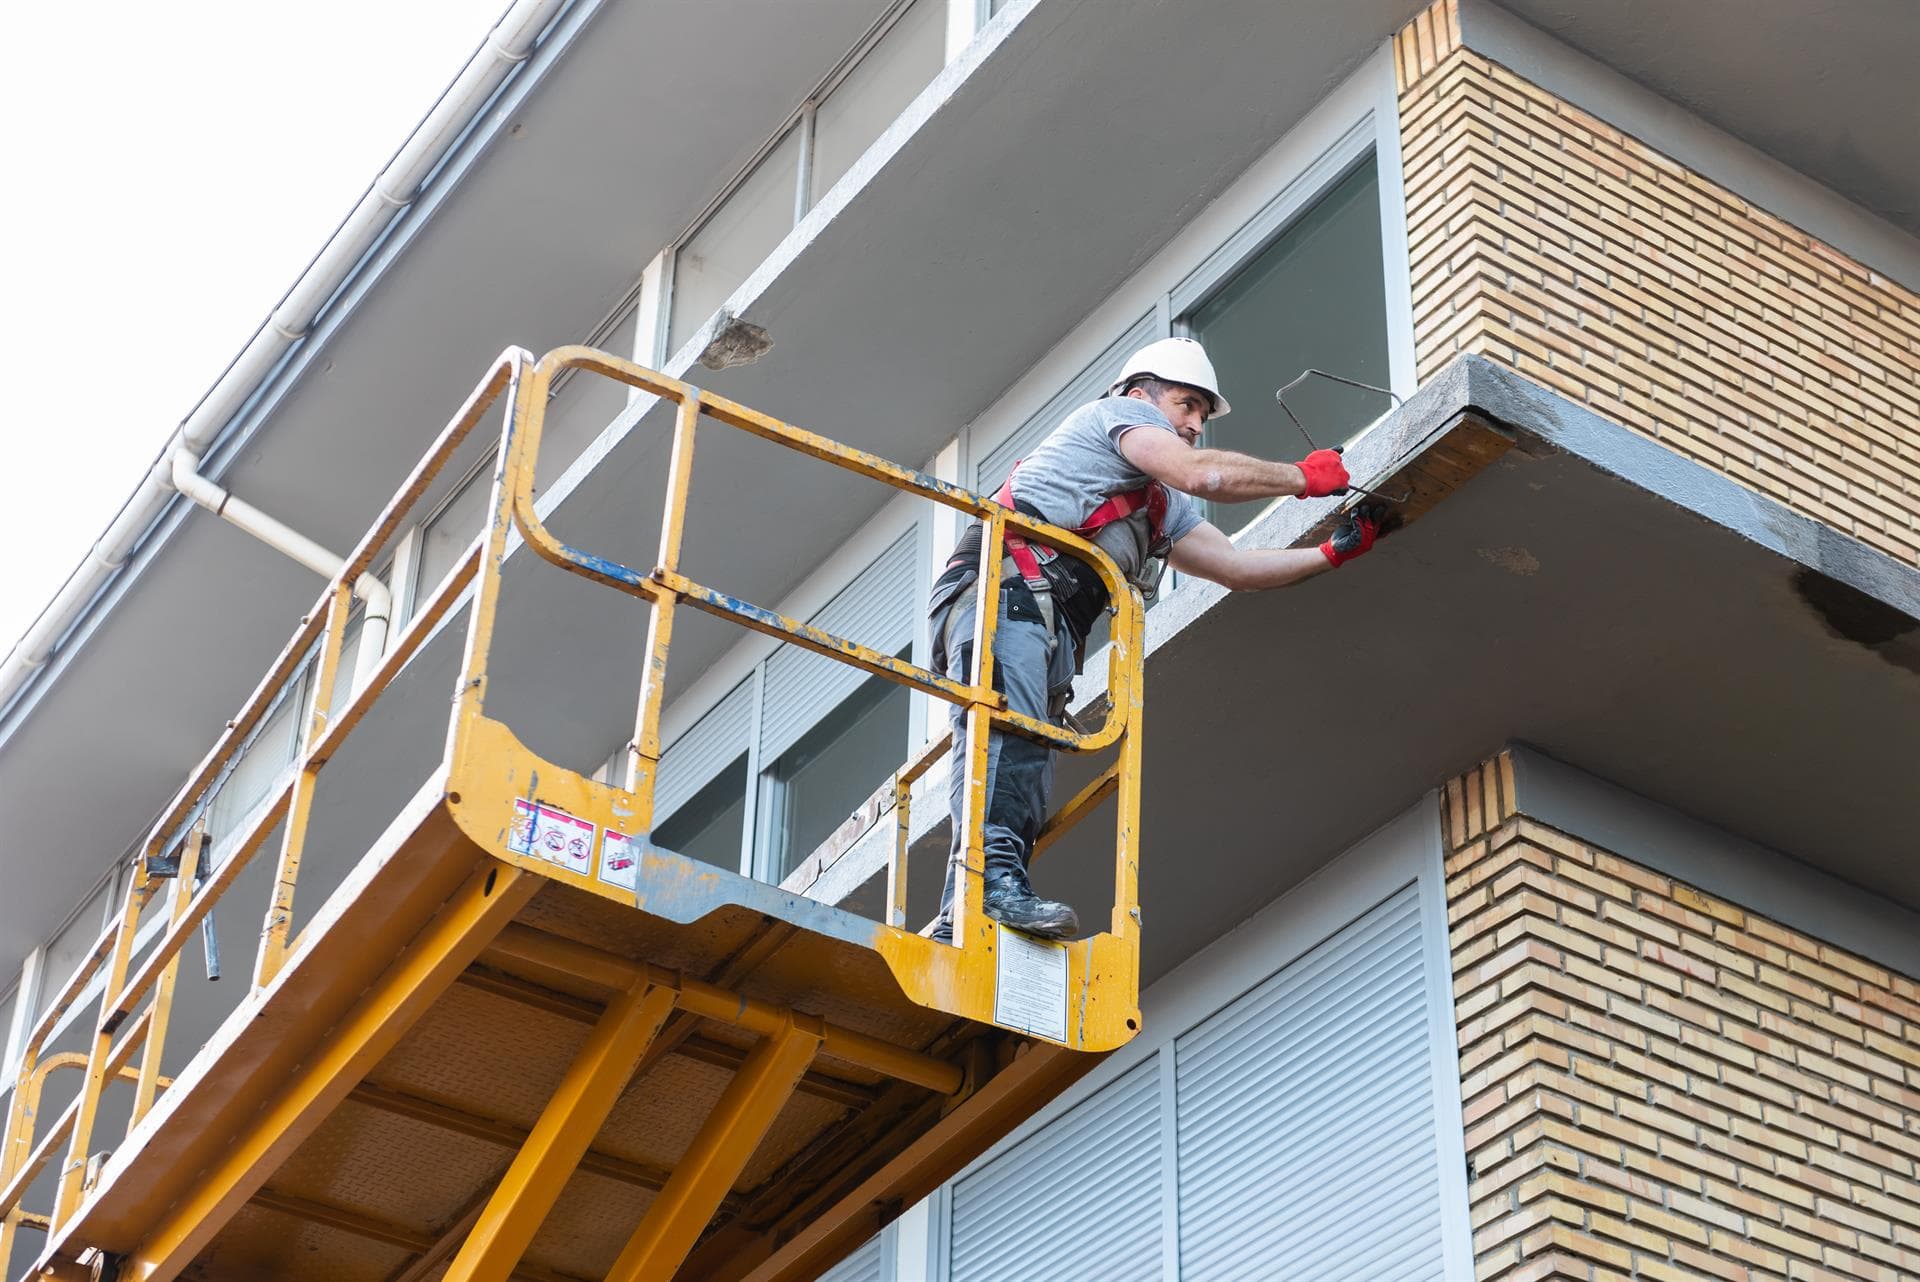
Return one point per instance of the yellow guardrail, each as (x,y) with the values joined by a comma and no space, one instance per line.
(486,766)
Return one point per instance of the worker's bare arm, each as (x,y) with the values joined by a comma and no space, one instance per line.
(1221,475)
(1209,554)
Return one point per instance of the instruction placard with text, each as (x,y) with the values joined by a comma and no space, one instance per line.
(1030,991)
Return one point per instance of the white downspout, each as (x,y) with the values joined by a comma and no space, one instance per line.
(223,503)
(507,45)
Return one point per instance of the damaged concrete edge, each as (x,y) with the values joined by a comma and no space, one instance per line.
(1750,876)
(1538,416)
(1516,402)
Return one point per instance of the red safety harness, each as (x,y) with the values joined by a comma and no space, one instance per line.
(1117,507)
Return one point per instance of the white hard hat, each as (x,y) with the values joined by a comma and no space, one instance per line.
(1174,360)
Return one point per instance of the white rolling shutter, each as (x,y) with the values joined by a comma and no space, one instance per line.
(704,750)
(1075,1201)
(862,1266)
(1305,1118)
(876,610)
(1088,385)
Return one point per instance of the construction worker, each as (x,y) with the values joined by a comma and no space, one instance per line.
(1125,472)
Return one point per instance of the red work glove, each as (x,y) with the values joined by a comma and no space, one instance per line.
(1357,533)
(1325,472)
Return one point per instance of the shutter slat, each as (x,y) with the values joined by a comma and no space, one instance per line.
(862,1266)
(1079,1199)
(876,610)
(1305,1117)
(707,747)
(1088,385)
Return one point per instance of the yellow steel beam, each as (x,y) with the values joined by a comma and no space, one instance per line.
(524,948)
(706,1172)
(495,1130)
(820,1085)
(572,1117)
(801,1249)
(490,897)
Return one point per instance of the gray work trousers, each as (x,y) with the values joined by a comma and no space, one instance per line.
(1031,666)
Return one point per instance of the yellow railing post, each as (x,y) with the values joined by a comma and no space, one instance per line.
(643,754)
(519,441)
(73,1174)
(192,857)
(274,932)
(979,728)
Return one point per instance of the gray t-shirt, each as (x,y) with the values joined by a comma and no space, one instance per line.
(1079,464)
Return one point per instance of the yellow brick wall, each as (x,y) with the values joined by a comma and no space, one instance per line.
(1658,1084)
(1543,238)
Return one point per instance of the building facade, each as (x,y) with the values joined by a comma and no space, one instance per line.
(1530,900)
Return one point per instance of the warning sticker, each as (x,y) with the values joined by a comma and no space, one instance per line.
(553,835)
(619,859)
(1030,992)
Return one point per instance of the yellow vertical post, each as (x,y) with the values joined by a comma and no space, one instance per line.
(979,727)
(519,441)
(72,1175)
(148,1082)
(1126,872)
(643,754)
(897,865)
(567,1125)
(718,1154)
(293,842)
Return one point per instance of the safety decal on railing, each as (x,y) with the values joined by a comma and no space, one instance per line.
(1031,989)
(620,860)
(549,833)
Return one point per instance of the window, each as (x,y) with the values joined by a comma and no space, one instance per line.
(260,763)
(1291,1127)
(1314,298)
(708,827)
(815,147)
(734,240)
(449,531)
(582,407)
(70,947)
(876,91)
(813,786)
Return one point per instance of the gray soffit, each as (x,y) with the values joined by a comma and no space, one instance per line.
(1824,86)
(1626,611)
(924,287)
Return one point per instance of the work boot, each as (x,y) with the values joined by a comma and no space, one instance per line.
(1010,901)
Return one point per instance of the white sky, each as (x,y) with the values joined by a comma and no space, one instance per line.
(174,167)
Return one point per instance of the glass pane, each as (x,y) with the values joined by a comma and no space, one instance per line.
(581,410)
(1316,298)
(877,90)
(260,764)
(734,241)
(68,948)
(451,531)
(708,826)
(837,765)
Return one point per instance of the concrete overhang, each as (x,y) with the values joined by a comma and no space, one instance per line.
(1592,594)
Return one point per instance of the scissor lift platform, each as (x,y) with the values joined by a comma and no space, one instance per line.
(522,1041)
